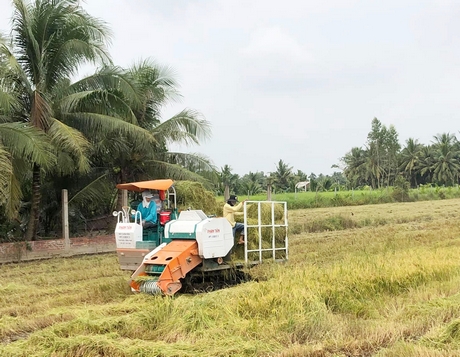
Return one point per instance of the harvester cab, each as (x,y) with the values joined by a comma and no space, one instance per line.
(132,240)
(191,246)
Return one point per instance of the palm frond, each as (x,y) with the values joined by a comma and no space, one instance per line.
(24,40)
(92,123)
(156,82)
(110,78)
(98,101)
(15,72)
(25,141)
(9,103)
(14,196)
(195,162)
(94,191)
(6,171)
(185,127)
(175,172)
(69,140)
(53,38)
(10,188)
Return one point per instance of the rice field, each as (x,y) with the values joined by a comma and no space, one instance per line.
(384,281)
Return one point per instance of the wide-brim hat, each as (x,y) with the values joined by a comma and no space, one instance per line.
(233,198)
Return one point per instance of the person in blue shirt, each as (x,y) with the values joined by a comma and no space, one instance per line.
(148,210)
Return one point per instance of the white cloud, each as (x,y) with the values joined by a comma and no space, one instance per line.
(274,42)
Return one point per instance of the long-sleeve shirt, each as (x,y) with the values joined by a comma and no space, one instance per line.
(231,211)
(149,214)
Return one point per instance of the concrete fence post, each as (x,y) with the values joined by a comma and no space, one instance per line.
(65,219)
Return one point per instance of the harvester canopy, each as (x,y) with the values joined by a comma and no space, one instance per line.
(140,186)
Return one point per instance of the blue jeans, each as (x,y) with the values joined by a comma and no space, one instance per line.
(239,227)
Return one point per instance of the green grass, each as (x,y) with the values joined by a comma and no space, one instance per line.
(310,199)
(387,287)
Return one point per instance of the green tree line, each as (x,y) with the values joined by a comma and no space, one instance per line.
(380,162)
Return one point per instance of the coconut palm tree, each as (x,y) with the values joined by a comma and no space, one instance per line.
(153,86)
(50,40)
(156,87)
(228,179)
(446,154)
(425,164)
(373,165)
(283,175)
(355,169)
(137,96)
(410,157)
(252,183)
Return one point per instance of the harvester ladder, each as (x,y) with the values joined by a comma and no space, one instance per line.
(273,225)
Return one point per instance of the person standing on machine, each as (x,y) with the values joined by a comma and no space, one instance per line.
(230,210)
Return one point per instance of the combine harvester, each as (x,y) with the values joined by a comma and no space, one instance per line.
(189,247)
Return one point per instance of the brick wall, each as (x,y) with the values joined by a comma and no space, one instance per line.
(43,249)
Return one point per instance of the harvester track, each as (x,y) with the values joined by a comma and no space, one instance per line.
(197,284)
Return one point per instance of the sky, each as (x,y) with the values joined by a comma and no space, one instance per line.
(295,80)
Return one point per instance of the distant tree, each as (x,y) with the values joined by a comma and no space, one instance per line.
(374,169)
(283,176)
(228,180)
(425,165)
(338,179)
(375,144)
(301,176)
(312,178)
(410,159)
(392,148)
(269,182)
(355,167)
(446,166)
(383,147)
(252,183)
(323,183)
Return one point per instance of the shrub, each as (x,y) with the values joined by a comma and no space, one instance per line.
(401,189)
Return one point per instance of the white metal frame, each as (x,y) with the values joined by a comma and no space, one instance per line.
(123,216)
(259,226)
(173,193)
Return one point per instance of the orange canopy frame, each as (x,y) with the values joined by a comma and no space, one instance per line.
(140,186)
